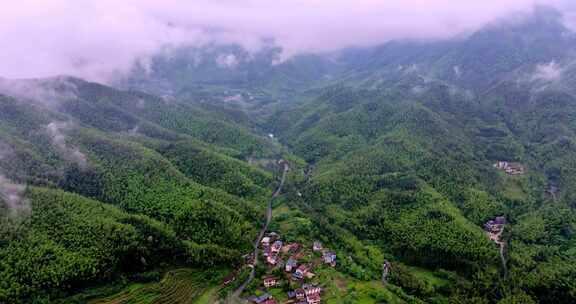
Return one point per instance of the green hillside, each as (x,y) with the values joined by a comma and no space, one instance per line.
(406,154)
(143,188)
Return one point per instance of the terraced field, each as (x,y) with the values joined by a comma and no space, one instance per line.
(177,287)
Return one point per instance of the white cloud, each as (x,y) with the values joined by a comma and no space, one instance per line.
(96,39)
(457,71)
(12,195)
(45,93)
(548,72)
(227,61)
(70,153)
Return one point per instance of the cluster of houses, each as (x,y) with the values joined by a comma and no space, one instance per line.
(272,247)
(274,250)
(308,294)
(495,227)
(510,168)
(328,256)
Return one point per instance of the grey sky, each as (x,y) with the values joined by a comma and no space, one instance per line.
(95,39)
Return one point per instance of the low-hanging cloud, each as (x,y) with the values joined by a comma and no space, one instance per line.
(5,150)
(548,72)
(12,195)
(43,92)
(97,39)
(73,154)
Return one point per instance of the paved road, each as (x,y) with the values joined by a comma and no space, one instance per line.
(238,292)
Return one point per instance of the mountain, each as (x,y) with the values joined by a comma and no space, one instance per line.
(403,149)
(397,156)
(230,73)
(152,181)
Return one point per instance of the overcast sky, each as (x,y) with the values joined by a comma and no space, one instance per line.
(96,38)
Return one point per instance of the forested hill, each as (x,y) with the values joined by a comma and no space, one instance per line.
(404,148)
(99,183)
(508,49)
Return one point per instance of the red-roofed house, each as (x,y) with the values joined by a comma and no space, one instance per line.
(276,247)
(300,294)
(314,298)
(270,282)
(272,259)
(313,294)
(317,246)
(300,272)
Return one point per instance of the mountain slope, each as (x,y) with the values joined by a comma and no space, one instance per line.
(143,163)
(403,150)
(392,160)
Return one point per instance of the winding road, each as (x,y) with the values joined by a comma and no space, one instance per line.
(238,292)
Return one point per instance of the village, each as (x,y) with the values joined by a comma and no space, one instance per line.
(290,266)
(510,168)
(551,191)
(494,228)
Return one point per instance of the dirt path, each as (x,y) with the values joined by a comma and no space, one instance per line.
(502,245)
(503,258)
(553,190)
(238,292)
(496,237)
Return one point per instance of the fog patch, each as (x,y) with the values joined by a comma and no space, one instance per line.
(550,72)
(418,90)
(5,150)
(134,131)
(457,71)
(413,68)
(70,153)
(140,103)
(48,92)
(229,61)
(145,64)
(234,98)
(12,195)
(99,39)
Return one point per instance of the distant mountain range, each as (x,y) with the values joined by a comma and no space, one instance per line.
(391,149)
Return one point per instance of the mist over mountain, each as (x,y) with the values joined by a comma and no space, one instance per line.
(100,40)
(524,49)
(340,152)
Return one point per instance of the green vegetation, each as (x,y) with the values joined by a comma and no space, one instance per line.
(177,286)
(112,194)
(104,192)
(69,241)
(418,189)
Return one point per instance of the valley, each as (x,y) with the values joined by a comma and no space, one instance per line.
(438,171)
(285,167)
